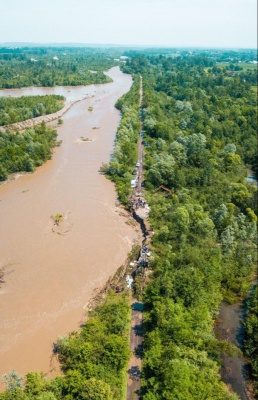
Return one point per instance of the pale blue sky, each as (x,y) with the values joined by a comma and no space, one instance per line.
(200,23)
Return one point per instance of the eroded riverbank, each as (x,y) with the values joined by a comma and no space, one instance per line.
(50,275)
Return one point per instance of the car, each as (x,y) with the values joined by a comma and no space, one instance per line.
(137,164)
(133,183)
(134,172)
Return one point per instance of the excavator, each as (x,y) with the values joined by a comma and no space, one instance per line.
(163,188)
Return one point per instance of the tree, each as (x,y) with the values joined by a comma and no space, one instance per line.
(34,383)
(12,381)
(161,171)
(46,396)
(73,383)
(181,220)
(178,151)
(94,389)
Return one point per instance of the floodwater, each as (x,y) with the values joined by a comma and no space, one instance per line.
(71,93)
(233,371)
(51,271)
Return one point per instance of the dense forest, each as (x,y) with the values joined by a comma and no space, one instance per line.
(200,140)
(23,67)
(26,151)
(200,128)
(21,108)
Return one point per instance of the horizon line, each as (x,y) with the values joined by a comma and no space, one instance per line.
(159,46)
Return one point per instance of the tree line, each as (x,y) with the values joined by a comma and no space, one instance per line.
(124,157)
(17,109)
(53,67)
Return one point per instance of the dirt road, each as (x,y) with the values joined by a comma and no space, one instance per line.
(136,336)
(136,339)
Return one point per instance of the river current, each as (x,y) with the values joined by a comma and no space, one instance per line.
(51,272)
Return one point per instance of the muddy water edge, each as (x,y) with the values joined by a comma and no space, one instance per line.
(51,271)
(234,369)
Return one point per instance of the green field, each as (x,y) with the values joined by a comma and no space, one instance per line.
(254,89)
(242,65)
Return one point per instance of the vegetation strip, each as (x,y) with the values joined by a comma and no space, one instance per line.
(251,337)
(13,110)
(30,123)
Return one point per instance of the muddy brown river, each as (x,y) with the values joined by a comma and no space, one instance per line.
(50,271)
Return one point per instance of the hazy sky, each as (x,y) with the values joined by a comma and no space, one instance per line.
(206,23)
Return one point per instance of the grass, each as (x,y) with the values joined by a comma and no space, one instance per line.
(243,66)
(254,90)
(248,66)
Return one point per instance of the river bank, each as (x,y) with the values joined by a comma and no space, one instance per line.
(229,329)
(30,123)
(234,368)
(50,277)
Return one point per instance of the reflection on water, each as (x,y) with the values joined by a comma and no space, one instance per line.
(51,271)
